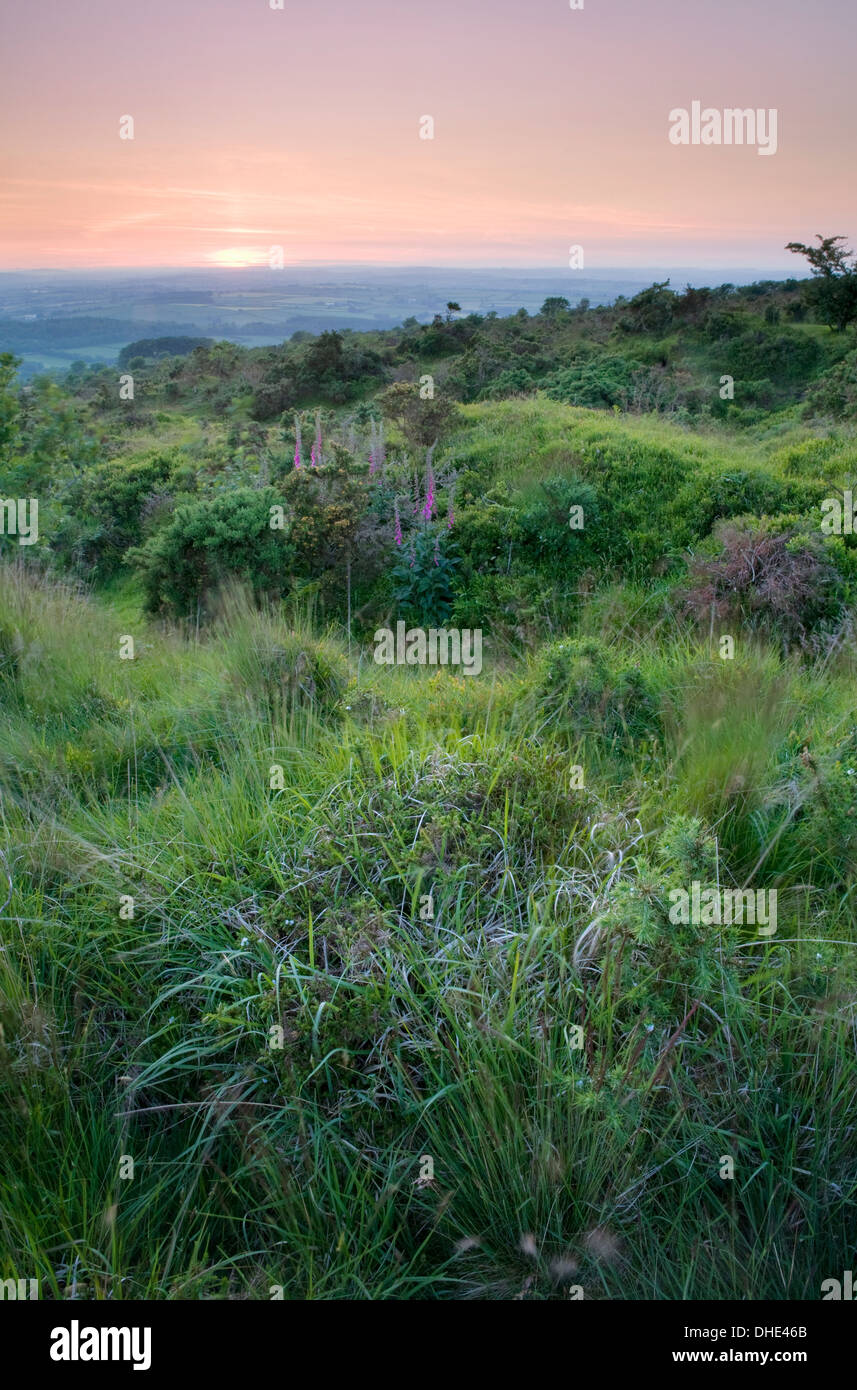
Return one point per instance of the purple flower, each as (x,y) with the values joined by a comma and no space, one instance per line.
(297,442)
(428,509)
(315,455)
(398,524)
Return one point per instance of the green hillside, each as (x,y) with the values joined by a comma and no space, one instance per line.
(366,981)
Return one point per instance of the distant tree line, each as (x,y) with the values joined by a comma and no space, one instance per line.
(160,347)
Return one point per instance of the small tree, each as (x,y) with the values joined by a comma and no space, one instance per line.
(555,306)
(832,292)
(422,422)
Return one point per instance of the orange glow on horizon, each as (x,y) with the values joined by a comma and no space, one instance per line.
(300,128)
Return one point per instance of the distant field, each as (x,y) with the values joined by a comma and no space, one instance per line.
(58,359)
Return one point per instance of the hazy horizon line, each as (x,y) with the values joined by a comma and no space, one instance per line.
(220,270)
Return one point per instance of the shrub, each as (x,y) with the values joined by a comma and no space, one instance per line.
(781,356)
(586,691)
(835,393)
(546,536)
(104,510)
(484,529)
(711,496)
(606,381)
(210,541)
(772,580)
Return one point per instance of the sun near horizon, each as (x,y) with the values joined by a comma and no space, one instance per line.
(303,128)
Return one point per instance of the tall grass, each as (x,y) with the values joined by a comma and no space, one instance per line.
(429,912)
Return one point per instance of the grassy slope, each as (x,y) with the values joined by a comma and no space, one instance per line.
(450,1038)
(409,1036)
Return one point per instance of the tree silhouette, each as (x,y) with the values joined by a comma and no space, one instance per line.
(833,289)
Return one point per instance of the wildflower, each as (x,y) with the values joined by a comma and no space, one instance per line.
(428,509)
(398,523)
(297,442)
(315,453)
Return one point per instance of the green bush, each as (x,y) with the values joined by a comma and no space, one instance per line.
(585,690)
(211,541)
(782,356)
(546,536)
(835,393)
(104,510)
(485,528)
(605,381)
(825,835)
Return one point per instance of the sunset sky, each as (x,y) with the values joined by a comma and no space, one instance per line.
(300,127)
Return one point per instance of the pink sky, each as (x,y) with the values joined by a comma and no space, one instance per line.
(300,128)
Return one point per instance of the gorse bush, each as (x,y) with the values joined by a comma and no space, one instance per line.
(104,510)
(835,394)
(226,537)
(606,381)
(584,689)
